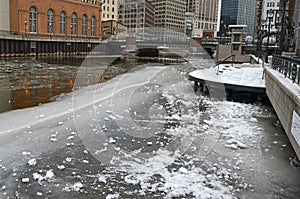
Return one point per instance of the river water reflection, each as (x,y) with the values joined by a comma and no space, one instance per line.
(27,82)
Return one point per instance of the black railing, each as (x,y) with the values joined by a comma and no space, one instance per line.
(224,60)
(288,66)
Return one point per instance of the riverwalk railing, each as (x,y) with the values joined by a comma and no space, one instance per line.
(224,60)
(288,66)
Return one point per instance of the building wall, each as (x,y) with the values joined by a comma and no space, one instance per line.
(19,17)
(109,10)
(4,15)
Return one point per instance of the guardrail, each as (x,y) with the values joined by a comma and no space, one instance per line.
(288,66)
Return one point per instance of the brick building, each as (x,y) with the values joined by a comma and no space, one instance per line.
(77,19)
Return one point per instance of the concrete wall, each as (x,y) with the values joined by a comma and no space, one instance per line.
(285,101)
(4,15)
(225,50)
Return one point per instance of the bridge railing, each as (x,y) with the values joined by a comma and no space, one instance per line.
(288,66)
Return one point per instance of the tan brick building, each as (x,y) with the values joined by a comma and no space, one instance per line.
(56,18)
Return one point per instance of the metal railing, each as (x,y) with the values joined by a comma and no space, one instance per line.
(224,60)
(288,66)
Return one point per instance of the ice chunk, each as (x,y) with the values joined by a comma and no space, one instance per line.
(25,180)
(112,196)
(149,143)
(61,167)
(49,174)
(111,141)
(183,170)
(39,193)
(77,186)
(32,162)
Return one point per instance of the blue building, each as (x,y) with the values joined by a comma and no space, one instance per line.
(237,12)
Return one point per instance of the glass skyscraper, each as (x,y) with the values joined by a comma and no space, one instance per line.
(237,12)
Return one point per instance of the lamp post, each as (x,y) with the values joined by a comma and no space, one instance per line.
(25,27)
(50,29)
(270,14)
(71,31)
(282,28)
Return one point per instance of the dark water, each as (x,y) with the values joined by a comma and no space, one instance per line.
(27,82)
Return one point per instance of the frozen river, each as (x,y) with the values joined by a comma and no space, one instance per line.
(145,134)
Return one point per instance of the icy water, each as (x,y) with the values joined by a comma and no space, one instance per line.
(145,134)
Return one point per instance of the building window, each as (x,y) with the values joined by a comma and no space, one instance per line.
(62,27)
(32,19)
(84,19)
(50,21)
(94,1)
(74,24)
(93,26)
(112,16)
(235,47)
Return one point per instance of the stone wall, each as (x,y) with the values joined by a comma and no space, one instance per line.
(285,101)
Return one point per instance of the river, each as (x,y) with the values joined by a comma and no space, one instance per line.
(143,134)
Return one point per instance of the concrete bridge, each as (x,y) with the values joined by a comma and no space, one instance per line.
(283,90)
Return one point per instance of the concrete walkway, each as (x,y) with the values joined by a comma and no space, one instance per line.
(242,77)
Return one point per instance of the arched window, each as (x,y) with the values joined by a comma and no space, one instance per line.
(74,24)
(50,21)
(32,19)
(93,26)
(62,22)
(84,23)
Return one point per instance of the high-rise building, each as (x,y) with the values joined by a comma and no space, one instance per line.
(204,16)
(237,12)
(269,6)
(109,10)
(170,14)
(138,16)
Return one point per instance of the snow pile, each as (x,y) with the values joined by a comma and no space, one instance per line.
(234,123)
(49,176)
(76,187)
(160,174)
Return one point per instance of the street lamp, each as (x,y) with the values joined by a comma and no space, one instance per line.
(25,27)
(270,14)
(282,28)
(71,30)
(50,29)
